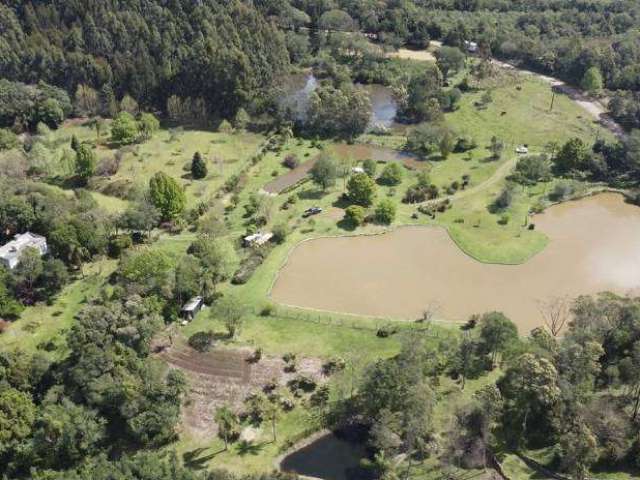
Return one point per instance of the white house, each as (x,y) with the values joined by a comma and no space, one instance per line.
(522,149)
(257,239)
(192,307)
(472,47)
(10,252)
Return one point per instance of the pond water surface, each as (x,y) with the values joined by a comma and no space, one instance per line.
(328,457)
(594,246)
(298,89)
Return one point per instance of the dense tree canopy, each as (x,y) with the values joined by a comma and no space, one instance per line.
(222,51)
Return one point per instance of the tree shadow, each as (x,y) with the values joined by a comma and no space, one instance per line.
(311,194)
(247,448)
(341,202)
(196,461)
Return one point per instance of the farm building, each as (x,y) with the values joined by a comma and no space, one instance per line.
(257,239)
(191,308)
(472,47)
(10,252)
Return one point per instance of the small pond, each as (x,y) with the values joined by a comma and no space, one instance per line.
(594,246)
(298,89)
(328,458)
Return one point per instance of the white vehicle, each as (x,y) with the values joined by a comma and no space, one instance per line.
(522,149)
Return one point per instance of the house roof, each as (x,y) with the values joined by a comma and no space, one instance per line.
(14,248)
(192,304)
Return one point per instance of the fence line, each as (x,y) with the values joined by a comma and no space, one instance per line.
(367,324)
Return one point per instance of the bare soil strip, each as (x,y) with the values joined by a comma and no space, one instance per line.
(289,179)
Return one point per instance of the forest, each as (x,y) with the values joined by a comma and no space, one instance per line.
(228,54)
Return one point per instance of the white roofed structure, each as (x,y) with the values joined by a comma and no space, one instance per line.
(10,252)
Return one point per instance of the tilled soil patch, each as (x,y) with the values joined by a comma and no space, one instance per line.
(227,377)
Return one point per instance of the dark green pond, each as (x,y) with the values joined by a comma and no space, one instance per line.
(328,458)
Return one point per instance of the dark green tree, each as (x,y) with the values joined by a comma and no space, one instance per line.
(198,166)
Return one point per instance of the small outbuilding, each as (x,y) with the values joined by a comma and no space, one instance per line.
(522,149)
(10,252)
(472,47)
(357,170)
(191,308)
(257,239)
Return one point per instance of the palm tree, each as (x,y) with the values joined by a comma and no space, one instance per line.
(227,424)
(272,412)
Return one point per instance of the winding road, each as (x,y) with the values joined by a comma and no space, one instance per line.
(501,172)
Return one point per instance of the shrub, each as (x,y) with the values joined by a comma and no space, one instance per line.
(291,200)
(267,310)
(333,365)
(391,174)
(232,184)
(280,232)
(504,199)
(387,331)
(256,405)
(201,341)
(225,127)
(302,382)
(256,356)
(464,144)
(124,129)
(291,161)
(385,212)
(504,219)
(320,397)
(355,215)
(119,244)
(8,139)
(561,191)
(421,191)
(290,362)
(369,166)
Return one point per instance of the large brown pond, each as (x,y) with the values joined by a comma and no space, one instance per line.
(594,246)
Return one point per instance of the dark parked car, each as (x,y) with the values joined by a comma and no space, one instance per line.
(311,211)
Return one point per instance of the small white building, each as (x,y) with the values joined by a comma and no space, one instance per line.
(10,252)
(257,239)
(472,47)
(522,149)
(191,308)
(357,170)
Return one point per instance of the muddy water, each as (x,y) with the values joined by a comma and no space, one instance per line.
(379,154)
(594,246)
(298,90)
